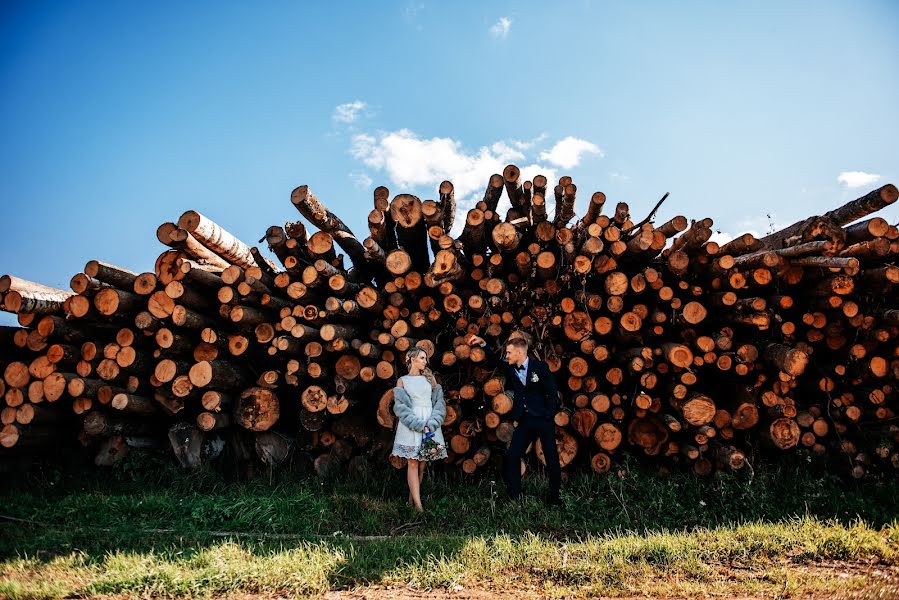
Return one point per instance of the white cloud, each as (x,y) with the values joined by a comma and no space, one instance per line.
(757,225)
(529,172)
(522,145)
(500,29)
(361,180)
(567,153)
(412,162)
(349,112)
(618,177)
(854,179)
(721,237)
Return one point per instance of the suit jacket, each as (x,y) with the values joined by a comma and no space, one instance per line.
(538,397)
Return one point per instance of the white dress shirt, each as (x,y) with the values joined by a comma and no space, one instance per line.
(523,373)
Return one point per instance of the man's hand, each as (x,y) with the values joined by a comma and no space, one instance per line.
(474,340)
(514,423)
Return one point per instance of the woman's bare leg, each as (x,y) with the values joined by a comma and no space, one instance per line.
(421,476)
(412,478)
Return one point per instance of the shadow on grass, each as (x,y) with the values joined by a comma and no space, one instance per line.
(135,495)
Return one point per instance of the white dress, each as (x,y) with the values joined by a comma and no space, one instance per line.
(406,443)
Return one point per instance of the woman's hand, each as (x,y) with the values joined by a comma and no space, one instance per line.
(430,377)
(474,340)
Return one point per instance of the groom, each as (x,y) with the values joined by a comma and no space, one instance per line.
(534,405)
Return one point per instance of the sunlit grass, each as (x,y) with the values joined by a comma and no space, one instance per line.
(159,531)
(765,558)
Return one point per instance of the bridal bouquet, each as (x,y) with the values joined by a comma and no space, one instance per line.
(430,448)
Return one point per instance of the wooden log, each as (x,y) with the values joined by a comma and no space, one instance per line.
(399,262)
(868,249)
(513,186)
(697,409)
(208,421)
(26,438)
(187,444)
(216,239)
(217,374)
(136,405)
(174,237)
(788,360)
(215,401)
(849,264)
(506,237)
(314,399)
(102,424)
(110,301)
(831,222)
(538,208)
(446,191)
(784,433)
(648,434)
(743,244)
(405,210)
(875,227)
(698,234)
(184,317)
(473,238)
(84,285)
(565,195)
(865,205)
(206,276)
(257,409)
(112,450)
(566,445)
(23,296)
(446,267)
(678,355)
(608,436)
(118,277)
(309,206)
(272,448)
(594,209)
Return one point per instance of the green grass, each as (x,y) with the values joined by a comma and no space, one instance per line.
(158,531)
(760,557)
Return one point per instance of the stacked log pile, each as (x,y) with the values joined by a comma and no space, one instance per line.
(665,344)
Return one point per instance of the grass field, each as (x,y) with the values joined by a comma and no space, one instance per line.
(786,530)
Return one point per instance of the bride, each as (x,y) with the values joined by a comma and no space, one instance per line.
(420,407)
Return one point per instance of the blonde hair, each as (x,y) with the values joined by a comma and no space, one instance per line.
(412,353)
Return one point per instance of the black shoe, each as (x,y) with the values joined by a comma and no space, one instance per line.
(555,502)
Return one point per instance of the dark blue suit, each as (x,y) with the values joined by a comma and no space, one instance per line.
(534,406)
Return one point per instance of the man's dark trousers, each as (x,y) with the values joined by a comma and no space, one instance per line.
(531,428)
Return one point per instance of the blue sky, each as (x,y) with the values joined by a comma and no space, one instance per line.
(115,117)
